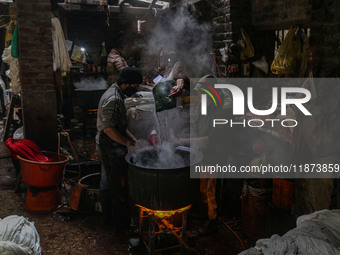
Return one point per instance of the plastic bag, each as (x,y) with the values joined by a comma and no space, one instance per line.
(309,84)
(287,60)
(19,133)
(304,58)
(248,51)
(160,92)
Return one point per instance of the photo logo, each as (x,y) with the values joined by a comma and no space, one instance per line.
(204,96)
(239,99)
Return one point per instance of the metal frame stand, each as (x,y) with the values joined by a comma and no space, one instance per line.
(164,227)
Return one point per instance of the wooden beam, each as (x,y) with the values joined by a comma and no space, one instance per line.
(115,9)
(133,10)
(152,4)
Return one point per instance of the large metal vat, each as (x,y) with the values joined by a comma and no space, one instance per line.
(161,188)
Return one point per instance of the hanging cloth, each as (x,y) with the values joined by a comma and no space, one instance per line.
(15,44)
(61,58)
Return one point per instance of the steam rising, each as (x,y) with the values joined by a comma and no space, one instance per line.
(164,156)
(176,32)
(180,32)
(169,125)
(91,84)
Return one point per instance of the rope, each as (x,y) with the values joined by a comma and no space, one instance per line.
(249,190)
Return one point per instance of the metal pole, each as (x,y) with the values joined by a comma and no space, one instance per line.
(151,234)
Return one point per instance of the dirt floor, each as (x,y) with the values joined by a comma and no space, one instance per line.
(65,231)
(69,232)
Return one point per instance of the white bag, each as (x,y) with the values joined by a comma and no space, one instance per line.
(18,236)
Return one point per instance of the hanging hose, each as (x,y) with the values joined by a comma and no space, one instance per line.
(218,69)
(73,152)
(225,224)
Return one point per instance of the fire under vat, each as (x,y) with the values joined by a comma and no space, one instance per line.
(160,186)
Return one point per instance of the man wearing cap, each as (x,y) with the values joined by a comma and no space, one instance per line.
(113,142)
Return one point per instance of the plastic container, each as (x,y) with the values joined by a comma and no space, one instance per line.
(42,200)
(153,138)
(90,195)
(43,174)
(161,91)
(283,193)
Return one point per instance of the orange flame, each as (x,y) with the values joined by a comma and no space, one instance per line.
(163,213)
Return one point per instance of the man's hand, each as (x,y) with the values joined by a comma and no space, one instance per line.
(130,145)
(177,90)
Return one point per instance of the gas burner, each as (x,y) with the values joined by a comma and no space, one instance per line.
(161,223)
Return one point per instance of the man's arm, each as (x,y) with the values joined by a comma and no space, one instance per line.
(177,89)
(117,137)
(133,138)
(112,110)
(181,82)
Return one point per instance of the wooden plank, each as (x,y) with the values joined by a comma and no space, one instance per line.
(9,121)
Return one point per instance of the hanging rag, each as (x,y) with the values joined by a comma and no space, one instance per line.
(26,149)
(61,58)
(248,51)
(15,44)
(13,71)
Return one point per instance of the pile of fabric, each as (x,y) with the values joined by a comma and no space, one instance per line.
(18,236)
(13,71)
(316,233)
(26,149)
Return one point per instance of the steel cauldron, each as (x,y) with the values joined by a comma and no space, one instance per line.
(161,186)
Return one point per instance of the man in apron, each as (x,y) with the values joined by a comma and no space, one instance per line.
(113,142)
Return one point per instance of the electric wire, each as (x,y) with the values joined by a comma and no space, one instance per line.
(225,224)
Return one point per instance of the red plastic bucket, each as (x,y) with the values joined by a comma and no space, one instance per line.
(42,200)
(43,174)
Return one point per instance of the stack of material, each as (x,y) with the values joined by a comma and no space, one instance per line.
(13,71)
(316,233)
(18,236)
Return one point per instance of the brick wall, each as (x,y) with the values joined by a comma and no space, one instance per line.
(325,37)
(261,18)
(36,72)
(279,14)
(231,16)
